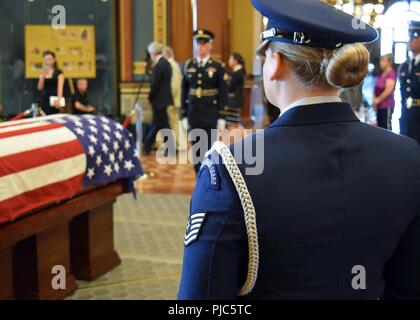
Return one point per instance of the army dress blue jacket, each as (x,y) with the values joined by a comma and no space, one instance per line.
(334,194)
(204,93)
(409,75)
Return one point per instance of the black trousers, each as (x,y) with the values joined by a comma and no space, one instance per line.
(384,118)
(160,121)
(198,155)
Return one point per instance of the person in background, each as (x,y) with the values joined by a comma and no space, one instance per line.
(383,101)
(160,95)
(410,86)
(176,85)
(51,84)
(80,99)
(236,89)
(204,93)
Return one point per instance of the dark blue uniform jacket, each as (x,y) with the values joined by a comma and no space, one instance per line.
(334,194)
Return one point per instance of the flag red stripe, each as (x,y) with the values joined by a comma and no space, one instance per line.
(5,125)
(39,157)
(12,208)
(21,132)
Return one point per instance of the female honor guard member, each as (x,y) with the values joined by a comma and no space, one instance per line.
(410,86)
(322,221)
(204,93)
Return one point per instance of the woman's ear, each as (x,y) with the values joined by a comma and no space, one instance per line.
(279,66)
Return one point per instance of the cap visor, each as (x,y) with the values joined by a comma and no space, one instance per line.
(202,40)
(262,48)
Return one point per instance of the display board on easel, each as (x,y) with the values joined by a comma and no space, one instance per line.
(74,47)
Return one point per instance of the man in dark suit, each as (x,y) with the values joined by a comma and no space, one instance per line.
(160,95)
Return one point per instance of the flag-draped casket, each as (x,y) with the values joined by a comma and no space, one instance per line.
(59,178)
(49,159)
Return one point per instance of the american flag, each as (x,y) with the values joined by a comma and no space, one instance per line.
(49,159)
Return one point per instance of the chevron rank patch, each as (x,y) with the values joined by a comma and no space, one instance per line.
(195,223)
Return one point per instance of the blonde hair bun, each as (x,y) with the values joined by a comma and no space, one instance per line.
(348,66)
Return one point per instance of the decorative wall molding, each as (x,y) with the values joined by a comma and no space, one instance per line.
(126,40)
(160,21)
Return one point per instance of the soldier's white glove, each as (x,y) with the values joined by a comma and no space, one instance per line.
(221,124)
(185,124)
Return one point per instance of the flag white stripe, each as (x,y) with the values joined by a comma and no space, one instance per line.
(54,116)
(32,179)
(24,126)
(36,140)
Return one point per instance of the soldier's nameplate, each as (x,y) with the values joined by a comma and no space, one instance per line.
(409,103)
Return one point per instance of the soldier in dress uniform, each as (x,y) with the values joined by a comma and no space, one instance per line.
(335,212)
(204,92)
(409,74)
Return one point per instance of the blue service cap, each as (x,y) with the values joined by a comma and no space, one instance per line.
(203,35)
(414,29)
(311,23)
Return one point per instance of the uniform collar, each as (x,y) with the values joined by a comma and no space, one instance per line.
(326,112)
(310,100)
(237,68)
(205,60)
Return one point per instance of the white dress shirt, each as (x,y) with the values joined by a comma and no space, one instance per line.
(203,62)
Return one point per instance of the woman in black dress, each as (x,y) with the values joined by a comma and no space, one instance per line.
(51,84)
(236,89)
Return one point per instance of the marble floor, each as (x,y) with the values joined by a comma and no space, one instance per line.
(149,235)
(149,238)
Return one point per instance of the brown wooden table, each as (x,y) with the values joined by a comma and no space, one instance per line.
(76,234)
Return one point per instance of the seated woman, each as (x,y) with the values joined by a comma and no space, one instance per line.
(333,211)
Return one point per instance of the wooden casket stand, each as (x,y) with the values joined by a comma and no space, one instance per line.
(76,234)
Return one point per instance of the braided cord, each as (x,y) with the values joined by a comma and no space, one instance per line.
(249,213)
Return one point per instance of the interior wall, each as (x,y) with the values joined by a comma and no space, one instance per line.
(17,93)
(213,15)
(181,29)
(246,26)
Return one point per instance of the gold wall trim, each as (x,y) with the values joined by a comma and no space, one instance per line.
(160,21)
(140,67)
